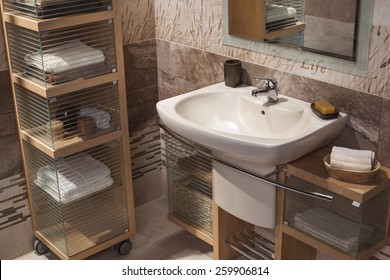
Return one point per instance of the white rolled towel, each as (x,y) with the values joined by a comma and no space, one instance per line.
(352,159)
(101,117)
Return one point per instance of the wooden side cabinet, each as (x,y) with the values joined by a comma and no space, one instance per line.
(68,81)
(354,225)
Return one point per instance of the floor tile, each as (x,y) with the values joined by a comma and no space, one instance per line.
(152,220)
(148,252)
(183,245)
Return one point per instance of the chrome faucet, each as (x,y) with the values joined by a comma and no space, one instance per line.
(270,90)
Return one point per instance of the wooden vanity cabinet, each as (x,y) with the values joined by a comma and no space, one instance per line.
(351,223)
(365,206)
(247,19)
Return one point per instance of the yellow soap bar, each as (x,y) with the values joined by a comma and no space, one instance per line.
(324,107)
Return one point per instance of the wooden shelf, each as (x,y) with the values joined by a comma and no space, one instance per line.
(316,244)
(311,169)
(298,27)
(57,90)
(55,23)
(71,146)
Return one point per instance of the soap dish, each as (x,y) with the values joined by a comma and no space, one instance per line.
(324,116)
(351,176)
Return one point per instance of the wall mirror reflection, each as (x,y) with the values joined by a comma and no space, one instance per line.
(325,27)
(339,30)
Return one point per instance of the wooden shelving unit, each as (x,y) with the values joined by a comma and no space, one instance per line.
(72,226)
(293,243)
(247,19)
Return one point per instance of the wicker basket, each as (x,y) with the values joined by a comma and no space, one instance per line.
(193,205)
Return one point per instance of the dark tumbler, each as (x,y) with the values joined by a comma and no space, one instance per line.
(232,72)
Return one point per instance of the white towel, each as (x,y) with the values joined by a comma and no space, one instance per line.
(277,12)
(65,57)
(334,229)
(350,159)
(101,117)
(74,177)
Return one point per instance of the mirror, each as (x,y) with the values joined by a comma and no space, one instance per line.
(335,32)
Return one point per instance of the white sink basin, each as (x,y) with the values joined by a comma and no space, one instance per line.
(250,133)
(232,121)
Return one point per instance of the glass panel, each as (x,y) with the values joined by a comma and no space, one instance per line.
(71,118)
(78,201)
(346,225)
(62,55)
(189,185)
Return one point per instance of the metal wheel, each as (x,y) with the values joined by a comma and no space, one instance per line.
(39,247)
(124,247)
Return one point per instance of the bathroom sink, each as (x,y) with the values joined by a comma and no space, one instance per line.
(249,133)
(233,122)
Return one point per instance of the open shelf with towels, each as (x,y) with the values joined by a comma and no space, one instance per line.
(354,225)
(62,55)
(82,194)
(67,72)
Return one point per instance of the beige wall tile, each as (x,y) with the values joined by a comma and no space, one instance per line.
(137,20)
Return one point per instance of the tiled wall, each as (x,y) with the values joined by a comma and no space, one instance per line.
(15,220)
(142,95)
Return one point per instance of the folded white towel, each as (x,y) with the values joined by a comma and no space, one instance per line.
(101,117)
(334,229)
(277,12)
(74,177)
(65,57)
(351,159)
(67,191)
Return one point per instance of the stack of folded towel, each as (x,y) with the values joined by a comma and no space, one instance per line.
(334,229)
(65,57)
(350,159)
(74,177)
(102,118)
(277,12)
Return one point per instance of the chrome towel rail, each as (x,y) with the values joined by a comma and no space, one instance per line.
(247,244)
(265,178)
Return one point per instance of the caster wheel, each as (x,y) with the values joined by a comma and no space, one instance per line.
(39,247)
(124,247)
